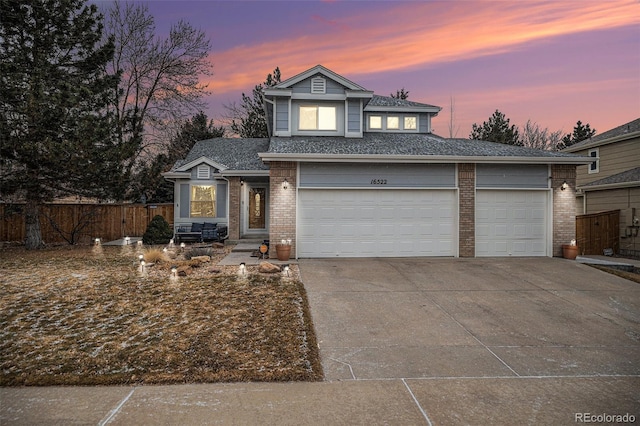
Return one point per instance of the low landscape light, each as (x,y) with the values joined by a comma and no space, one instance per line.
(243,269)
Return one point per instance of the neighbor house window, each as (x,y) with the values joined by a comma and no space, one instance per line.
(375,122)
(393,123)
(410,123)
(203,201)
(317,118)
(594,167)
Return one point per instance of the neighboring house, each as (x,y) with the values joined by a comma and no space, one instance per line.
(612,180)
(347,173)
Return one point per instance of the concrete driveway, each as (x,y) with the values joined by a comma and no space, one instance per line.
(512,340)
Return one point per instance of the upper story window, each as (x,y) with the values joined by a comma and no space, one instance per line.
(375,122)
(317,118)
(318,85)
(203,172)
(410,123)
(594,167)
(393,123)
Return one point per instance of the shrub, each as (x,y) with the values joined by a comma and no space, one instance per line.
(155,256)
(158,231)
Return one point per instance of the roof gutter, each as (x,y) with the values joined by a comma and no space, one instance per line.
(618,185)
(385,158)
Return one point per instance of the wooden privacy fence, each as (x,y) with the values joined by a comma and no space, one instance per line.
(598,231)
(80,223)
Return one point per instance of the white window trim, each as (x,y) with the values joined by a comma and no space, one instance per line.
(595,151)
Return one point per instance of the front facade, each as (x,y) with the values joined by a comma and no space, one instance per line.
(611,181)
(347,173)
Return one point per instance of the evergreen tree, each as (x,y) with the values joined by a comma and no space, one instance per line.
(149,181)
(55,132)
(248,120)
(580,133)
(400,94)
(497,129)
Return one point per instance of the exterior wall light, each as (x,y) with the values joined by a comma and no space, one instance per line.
(564,185)
(241,181)
(285,184)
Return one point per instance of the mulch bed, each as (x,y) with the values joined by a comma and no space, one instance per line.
(90,316)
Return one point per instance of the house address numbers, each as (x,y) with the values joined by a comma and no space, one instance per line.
(378,181)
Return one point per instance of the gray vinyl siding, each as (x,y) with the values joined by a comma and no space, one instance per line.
(332,88)
(184,200)
(512,176)
(221,200)
(354,116)
(282,114)
(333,175)
(423,123)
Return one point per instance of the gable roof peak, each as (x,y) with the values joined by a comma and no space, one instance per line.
(320,69)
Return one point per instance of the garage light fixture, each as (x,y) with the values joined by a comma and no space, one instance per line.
(285,184)
(564,186)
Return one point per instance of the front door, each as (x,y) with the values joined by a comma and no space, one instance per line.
(257,208)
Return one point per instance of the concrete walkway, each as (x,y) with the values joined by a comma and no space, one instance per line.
(411,342)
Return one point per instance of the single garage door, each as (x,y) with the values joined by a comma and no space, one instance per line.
(376,222)
(511,223)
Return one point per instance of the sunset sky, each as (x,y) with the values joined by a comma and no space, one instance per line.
(553,62)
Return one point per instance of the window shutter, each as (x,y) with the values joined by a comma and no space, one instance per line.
(318,85)
(203,172)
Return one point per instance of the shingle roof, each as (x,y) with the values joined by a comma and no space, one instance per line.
(233,153)
(388,101)
(404,144)
(630,127)
(628,176)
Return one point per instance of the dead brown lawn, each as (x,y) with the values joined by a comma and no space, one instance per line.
(87,316)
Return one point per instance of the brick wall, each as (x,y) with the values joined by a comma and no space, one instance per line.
(564,206)
(234,208)
(467,209)
(282,204)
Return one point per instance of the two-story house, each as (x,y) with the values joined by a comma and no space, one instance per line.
(611,181)
(347,173)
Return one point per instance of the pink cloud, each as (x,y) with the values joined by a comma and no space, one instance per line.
(414,35)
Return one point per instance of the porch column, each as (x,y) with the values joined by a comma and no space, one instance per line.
(564,206)
(234,208)
(282,204)
(467,210)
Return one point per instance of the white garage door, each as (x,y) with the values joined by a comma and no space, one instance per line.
(511,223)
(376,223)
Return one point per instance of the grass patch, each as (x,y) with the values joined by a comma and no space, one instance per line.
(75,316)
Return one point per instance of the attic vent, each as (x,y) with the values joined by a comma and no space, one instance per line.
(318,85)
(203,172)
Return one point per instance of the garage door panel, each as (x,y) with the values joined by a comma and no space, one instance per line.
(511,223)
(377,223)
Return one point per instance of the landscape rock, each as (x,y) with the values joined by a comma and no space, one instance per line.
(218,245)
(185,270)
(202,259)
(268,268)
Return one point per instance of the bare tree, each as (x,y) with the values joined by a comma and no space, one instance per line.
(533,136)
(160,77)
(453,127)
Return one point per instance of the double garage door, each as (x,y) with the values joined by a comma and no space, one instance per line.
(376,222)
(401,221)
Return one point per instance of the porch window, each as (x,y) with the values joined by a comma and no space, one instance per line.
(317,118)
(203,201)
